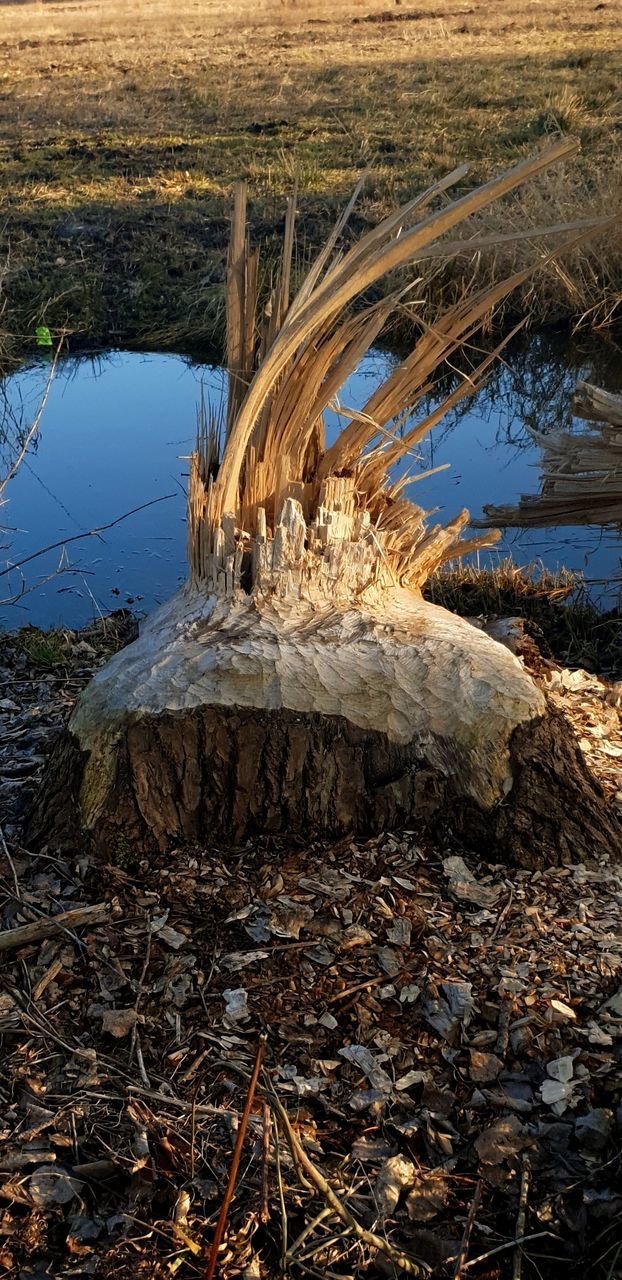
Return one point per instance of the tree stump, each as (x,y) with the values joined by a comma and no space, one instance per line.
(291,713)
(300,684)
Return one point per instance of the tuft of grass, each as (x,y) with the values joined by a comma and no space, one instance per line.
(45,650)
(59,649)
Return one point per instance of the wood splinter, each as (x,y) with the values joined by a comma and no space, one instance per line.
(24,934)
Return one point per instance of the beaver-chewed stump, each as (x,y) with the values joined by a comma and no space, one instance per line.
(287,711)
(300,684)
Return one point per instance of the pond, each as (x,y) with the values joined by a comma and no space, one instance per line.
(117,429)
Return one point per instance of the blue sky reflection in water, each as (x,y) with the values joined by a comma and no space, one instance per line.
(114,434)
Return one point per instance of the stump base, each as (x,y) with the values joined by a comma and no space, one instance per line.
(225,721)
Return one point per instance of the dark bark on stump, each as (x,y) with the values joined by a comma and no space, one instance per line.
(213,774)
(556,811)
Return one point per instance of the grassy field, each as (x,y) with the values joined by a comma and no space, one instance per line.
(124,126)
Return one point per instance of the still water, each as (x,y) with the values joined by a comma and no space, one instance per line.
(117,429)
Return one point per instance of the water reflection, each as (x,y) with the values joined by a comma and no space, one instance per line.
(118,427)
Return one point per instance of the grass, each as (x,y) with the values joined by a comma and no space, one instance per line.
(559,615)
(45,650)
(53,650)
(121,140)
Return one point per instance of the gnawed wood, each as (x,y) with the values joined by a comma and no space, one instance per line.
(595,405)
(282,384)
(394,243)
(300,683)
(228,718)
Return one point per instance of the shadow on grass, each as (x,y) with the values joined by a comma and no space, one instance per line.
(119,237)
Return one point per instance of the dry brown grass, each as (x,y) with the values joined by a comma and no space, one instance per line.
(124,128)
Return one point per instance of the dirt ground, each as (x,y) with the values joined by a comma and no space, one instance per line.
(123,129)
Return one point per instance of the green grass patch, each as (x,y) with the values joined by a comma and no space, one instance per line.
(45,650)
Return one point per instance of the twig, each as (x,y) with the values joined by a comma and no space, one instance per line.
(237,1152)
(193,1134)
(308,1229)
(328,1242)
(141,1061)
(509,1244)
(264,1214)
(178,1104)
(283,1206)
(44,981)
(46,928)
(468,1228)
(134,1042)
(502,915)
(300,1157)
(34,1016)
(520,1221)
(34,427)
(5,850)
(89,533)
(360,986)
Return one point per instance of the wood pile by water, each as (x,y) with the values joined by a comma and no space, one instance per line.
(581,473)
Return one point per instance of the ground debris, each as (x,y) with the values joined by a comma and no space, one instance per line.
(432,1023)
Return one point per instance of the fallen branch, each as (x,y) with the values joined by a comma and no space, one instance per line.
(413,1268)
(49,925)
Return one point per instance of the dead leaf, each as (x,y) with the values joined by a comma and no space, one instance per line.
(239,959)
(464,887)
(236,1001)
(594,1129)
(561,1069)
(119,1022)
(484,1067)
(428,1197)
(389,960)
(396,1174)
(450,1009)
(51,1186)
(361,1056)
(400,932)
(501,1141)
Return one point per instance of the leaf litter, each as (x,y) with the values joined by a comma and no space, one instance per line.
(443,1065)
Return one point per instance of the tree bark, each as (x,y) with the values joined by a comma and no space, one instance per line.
(556,812)
(230,774)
